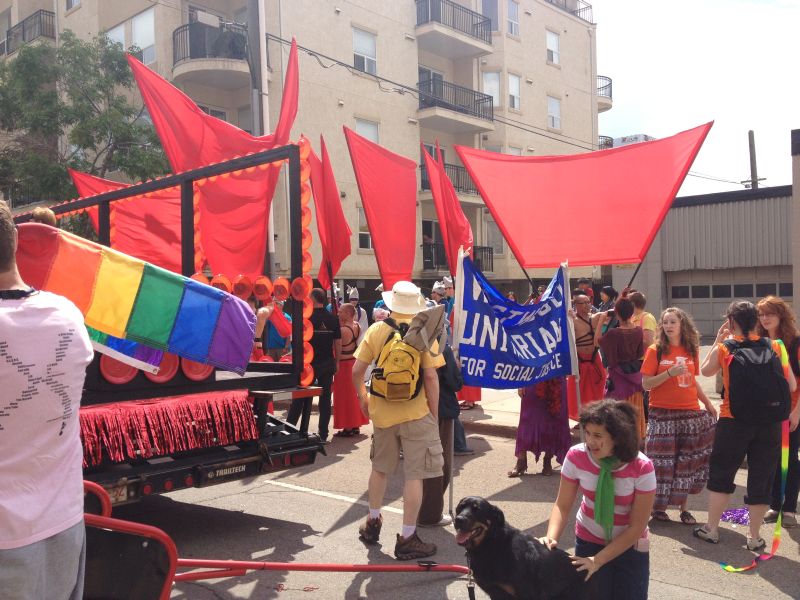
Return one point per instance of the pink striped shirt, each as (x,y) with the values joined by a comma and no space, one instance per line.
(637,476)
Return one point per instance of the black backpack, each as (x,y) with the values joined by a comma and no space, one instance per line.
(758,391)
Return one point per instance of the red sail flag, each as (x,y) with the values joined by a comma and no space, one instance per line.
(597,208)
(387,183)
(455,228)
(334,232)
(233,208)
(147,227)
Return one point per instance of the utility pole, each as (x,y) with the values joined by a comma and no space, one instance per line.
(752,183)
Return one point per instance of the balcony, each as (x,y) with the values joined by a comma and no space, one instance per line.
(578,8)
(604,98)
(454,109)
(40,24)
(605,142)
(212,56)
(462,182)
(452,31)
(434,257)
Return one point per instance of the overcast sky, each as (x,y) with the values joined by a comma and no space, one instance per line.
(676,64)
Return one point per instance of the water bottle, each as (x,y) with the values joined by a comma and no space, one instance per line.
(684,379)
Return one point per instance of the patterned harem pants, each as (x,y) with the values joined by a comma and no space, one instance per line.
(679,443)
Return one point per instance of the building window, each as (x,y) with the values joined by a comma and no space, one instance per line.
(766,289)
(246,119)
(721,291)
(786,290)
(552,48)
(431,149)
(514,151)
(493,148)
(214,112)
(364,53)
(742,290)
(680,292)
(701,291)
(367,129)
(553,112)
(489,10)
(72,4)
(144,34)
(513,91)
(364,236)
(430,82)
(117,35)
(491,86)
(513,17)
(494,238)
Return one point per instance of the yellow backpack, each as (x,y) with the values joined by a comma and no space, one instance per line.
(397,374)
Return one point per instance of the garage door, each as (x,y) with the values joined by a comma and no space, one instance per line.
(706,294)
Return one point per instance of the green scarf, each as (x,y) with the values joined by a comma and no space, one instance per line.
(604,496)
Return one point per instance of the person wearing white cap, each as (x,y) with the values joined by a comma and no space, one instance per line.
(411,426)
(437,292)
(361,314)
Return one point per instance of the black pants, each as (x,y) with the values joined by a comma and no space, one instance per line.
(792,478)
(761,444)
(325,381)
(433,489)
(624,578)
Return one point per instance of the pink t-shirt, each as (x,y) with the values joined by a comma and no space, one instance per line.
(44,351)
(637,476)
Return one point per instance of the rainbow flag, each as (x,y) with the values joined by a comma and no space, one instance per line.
(135,310)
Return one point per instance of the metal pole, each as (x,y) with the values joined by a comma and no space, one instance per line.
(187,228)
(753,168)
(635,273)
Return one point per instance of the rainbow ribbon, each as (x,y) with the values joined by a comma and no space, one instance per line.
(776,537)
(134,310)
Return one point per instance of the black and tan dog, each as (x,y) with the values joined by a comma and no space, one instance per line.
(508,564)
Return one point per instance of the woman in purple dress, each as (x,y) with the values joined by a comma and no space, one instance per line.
(543,426)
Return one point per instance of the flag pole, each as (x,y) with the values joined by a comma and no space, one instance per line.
(573,348)
(458,334)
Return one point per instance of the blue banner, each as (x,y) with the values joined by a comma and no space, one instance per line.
(507,345)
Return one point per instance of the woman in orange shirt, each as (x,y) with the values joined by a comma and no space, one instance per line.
(679,435)
(736,439)
(776,320)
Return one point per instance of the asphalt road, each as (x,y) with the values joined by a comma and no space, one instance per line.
(312,515)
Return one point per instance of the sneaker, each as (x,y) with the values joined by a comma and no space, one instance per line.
(756,545)
(413,547)
(705,534)
(771,516)
(464,452)
(370,530)
(789,520)
(445,521)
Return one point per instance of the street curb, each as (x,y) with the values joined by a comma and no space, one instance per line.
(495,429)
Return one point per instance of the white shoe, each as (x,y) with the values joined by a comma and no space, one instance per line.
(443,522)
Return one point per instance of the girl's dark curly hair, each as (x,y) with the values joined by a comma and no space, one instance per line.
(619,419)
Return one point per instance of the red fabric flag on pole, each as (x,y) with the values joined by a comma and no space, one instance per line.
(148,227)
(455,228)
(334,232)
(233,209)
(596,208)
(387,183)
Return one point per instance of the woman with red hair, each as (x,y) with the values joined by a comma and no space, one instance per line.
(776,320)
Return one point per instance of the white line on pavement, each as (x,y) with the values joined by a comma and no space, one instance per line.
(298,488)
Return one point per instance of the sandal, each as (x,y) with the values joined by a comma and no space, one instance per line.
(687,518)
(704,534)
(343,433)
(519,469)
(466,406)
(660,515)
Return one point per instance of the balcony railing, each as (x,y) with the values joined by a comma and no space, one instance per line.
(456,17)
(605,142)
(42,23)
(434,92)
(434,257)
(462,182)
(579,8)
(604,86)
(198,40)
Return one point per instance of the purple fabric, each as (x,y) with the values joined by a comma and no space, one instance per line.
(149,355)
(625,384)
(539,431)
(233,336)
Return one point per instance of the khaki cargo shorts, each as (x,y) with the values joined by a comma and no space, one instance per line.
(419,440)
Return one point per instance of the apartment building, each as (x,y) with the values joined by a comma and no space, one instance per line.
(513,76)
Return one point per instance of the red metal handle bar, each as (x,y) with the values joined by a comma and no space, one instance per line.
(90,487)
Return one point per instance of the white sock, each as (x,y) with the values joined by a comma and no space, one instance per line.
(374,513)
(408,531)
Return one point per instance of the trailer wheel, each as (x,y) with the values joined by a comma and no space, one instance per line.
(167,369)
(115,371)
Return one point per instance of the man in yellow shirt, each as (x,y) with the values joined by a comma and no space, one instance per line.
(411,426)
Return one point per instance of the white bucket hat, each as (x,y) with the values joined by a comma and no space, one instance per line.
(404,298)
(439,288)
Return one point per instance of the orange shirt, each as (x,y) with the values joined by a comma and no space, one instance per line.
(722,355)
(669,394)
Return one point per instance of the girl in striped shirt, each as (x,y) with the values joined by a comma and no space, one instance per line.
(618,484)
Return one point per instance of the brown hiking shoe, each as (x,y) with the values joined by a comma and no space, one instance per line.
(413,547)
(370,530)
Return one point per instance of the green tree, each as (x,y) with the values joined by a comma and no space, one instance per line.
(72,106)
